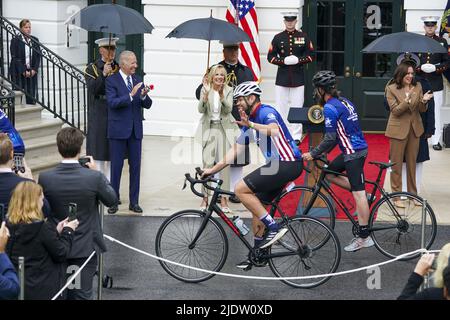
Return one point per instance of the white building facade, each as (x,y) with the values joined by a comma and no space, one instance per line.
(176,66)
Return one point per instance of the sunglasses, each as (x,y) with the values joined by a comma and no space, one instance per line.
(430,24)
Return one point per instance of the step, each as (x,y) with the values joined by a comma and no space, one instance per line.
(39,128)
(18,99)
(41,146)
(27,112)
(44,163)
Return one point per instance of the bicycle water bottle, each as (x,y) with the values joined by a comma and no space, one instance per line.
(239,223)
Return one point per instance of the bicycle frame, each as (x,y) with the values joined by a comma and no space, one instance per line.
(323,183)
(213,207)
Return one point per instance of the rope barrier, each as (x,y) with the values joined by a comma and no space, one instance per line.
(268,278)
(69,282)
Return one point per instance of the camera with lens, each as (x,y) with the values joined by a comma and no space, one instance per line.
(83,161)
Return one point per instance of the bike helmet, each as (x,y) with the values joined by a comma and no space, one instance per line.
(324,79)
(247,88)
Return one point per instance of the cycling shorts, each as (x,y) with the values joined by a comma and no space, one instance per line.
(268,181)
(354,169)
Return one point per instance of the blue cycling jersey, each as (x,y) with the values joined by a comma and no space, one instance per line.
(341,118)
(281,147)
(7,127)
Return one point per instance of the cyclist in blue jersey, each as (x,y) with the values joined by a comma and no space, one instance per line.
(284,162)
(342,128)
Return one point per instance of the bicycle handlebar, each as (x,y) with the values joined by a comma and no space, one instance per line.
(194,181)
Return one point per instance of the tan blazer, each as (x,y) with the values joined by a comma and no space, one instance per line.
(227,120)
(403,115)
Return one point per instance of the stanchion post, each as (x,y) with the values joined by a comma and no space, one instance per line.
(100,257)
(422,240)
(22,278)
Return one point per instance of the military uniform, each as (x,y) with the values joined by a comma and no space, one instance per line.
(287,43)
(290,78)
(97,144)
(441,62)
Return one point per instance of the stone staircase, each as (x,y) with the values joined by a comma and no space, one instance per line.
(39,135)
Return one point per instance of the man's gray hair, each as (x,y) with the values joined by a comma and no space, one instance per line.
(124,55)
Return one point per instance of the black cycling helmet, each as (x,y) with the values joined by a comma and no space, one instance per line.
(324,79)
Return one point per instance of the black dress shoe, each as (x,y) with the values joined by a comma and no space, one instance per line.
(113,209)
(120,202)
(234,199)
(135,208)
(437,147)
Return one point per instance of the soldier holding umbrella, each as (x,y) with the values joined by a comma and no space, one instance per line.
(97,143)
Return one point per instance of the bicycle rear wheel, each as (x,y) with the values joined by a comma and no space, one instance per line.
(398,228)
(295,201)
(319,254)
(176,234)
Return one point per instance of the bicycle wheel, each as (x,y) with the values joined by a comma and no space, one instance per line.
(398,228)
(320,253)
(297,199)
(174,237)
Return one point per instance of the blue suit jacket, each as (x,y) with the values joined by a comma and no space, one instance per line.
(9,283)
(124,114)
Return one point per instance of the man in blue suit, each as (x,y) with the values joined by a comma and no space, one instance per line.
(9,283)
(126,95)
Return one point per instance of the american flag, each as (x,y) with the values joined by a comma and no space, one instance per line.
(243,14)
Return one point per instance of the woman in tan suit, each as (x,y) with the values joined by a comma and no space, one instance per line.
(404,128)
(219,130)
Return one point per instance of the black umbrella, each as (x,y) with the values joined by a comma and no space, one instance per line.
(210,29)
(111,18)
(404,42)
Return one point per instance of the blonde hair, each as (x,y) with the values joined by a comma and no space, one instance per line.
(441,263)
(24,205)
(213,71)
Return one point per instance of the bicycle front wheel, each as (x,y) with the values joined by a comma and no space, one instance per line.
(396,224)
(173,243)
(319,252)
(296,200)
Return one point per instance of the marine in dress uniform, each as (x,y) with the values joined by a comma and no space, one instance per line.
(237,73)
(97,144)
(290,50)
(432,67)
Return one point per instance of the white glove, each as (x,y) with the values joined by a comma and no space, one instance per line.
(290,60)
(428,68)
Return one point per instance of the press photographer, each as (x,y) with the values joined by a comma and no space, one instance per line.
(70,182)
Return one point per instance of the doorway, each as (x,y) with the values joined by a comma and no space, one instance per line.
(340,29)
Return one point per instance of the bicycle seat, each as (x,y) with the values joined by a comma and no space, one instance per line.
(382,165)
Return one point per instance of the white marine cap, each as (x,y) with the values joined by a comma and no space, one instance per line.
(290,15)
(426,19)
(105,42)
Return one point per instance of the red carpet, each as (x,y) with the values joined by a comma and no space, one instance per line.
(378,151)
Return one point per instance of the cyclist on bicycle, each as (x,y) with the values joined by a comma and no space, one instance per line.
(342,127)
(284,162)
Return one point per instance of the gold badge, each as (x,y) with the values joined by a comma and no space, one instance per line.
(315,114)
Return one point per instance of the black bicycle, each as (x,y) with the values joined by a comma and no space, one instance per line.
(395,218)
(194,238)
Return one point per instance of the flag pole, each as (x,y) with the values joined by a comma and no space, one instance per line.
(236,13)
(209,43)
